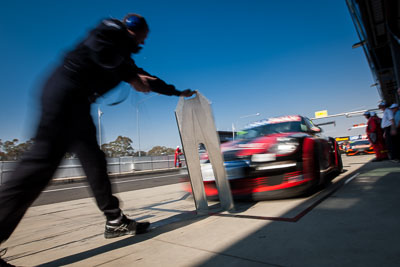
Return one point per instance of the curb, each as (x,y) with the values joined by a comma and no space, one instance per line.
(114,176)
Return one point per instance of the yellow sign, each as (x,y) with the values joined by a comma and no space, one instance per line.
(321,114)
(338,139)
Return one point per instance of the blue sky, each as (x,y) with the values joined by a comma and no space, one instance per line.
(259,56)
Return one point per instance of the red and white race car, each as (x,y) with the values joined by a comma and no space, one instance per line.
(275,158)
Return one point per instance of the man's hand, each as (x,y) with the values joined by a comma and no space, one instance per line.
(141,84)
(188,93)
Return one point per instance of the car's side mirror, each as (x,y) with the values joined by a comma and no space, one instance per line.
(316,129)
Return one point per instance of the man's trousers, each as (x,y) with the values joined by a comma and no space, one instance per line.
(65,125)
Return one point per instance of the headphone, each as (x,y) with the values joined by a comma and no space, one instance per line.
(133,22)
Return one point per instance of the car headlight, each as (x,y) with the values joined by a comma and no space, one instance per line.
(284,145)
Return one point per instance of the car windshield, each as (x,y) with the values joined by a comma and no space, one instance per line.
(363,142)
(262,130)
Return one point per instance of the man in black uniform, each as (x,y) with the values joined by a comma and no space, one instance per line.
(98,64)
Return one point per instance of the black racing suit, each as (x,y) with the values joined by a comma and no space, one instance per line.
(95,66)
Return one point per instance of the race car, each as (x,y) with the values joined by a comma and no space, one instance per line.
(359,147)
(275,158)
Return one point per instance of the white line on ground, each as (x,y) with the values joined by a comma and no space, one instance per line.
(118,182)
(351,178)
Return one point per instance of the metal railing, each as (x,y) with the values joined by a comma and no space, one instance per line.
(72,167)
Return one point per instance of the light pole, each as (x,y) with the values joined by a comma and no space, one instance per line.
(241,117)
(137,119)
(99,114)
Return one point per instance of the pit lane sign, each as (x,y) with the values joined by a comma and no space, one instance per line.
(196,126)
(344,138)
(321,114)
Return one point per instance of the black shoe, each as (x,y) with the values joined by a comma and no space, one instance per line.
(3,263)
(124,226)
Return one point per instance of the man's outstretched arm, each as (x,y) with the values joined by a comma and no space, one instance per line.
(144,82)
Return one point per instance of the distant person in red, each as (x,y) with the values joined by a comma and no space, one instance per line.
(177,160)
(375,135)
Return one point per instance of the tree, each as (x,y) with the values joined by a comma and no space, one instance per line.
(122,146)
(160,150)
(2,154)
(11,150)
(70,155)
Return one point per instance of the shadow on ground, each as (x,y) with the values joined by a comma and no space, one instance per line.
(160,227)
(358,225)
